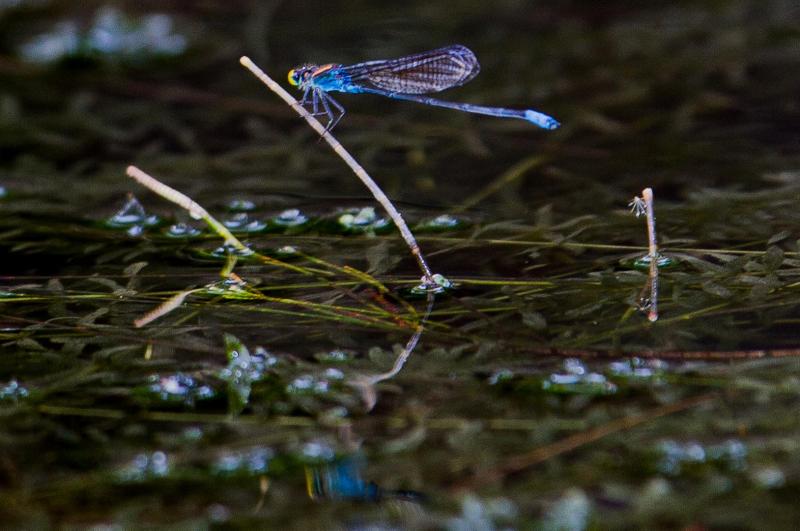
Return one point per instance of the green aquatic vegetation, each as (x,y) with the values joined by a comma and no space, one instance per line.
(538,395)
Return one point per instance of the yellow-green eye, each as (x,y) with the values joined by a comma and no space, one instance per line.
(293,77)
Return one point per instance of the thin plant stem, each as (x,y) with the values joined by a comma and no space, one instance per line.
(427,276)
(647,195)
(186,202)
(198,212)
(644,205)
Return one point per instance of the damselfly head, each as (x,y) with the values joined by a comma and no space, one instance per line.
(301,74)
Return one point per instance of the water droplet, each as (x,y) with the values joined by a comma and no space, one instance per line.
(286,250)
(576,380)
(769,477)
(223,251)
(334,356)
(182,230)
(500,376)
(290,218)
(132,217)
(241,222)
(574,366)
(362,220)
(442,223)
(241,205)
(334,374)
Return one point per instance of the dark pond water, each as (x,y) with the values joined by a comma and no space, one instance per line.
(274,390)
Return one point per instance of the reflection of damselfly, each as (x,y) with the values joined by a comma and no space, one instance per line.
(341,480)
(404,78)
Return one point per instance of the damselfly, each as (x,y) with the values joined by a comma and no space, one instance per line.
(404,78)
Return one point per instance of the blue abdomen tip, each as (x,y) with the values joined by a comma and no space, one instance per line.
(542,120)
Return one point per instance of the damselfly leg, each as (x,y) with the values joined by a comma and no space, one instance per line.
(330,107)
(327,101)
(304,99)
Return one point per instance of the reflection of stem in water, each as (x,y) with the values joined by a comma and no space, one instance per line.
(427,279)
(639,206)
(366,383)
(652,315)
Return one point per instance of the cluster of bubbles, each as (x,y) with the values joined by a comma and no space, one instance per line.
(13,391)
(252,368)
(252,461)
(675,456)
(363,220)
(637,368)
(312,384)
(179,388)
(145,466)
(576,378)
